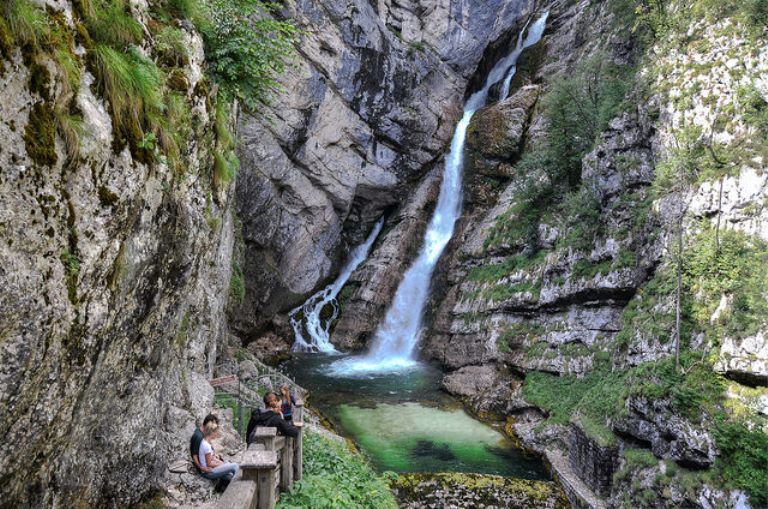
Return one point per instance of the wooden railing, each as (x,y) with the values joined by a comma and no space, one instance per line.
(269,466)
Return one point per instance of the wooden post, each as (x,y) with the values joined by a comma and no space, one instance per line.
(298,411)
(264,436)
(298,453)
(266,488)
(286,465)
(261,466)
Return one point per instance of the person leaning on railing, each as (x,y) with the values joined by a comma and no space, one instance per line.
(271,417)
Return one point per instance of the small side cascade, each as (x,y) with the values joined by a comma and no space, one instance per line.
(310,328)
(395,341)
(533,37)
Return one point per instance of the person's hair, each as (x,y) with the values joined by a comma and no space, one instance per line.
(210,428)
(210,418)
(269,395)
(285,389)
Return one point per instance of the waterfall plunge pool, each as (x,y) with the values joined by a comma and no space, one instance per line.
(405,423)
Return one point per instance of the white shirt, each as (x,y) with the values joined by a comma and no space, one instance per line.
(205,448)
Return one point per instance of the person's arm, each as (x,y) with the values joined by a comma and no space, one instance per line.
(198,465)
(287,429)
(212,460)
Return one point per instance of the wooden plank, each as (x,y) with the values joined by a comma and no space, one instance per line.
(258,460)
(216,382)
(264,436)
(240,494)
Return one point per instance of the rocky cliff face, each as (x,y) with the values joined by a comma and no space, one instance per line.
(114,279)
(586,290)
(365,113)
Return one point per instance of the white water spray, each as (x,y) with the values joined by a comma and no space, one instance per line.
(308,317)
(395,340)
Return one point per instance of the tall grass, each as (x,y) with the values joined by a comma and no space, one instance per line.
(133,86)
(27,23)
(111,23)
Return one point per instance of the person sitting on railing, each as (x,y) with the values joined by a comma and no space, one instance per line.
(197,437)
(286,403)
(212,465)
(271,417)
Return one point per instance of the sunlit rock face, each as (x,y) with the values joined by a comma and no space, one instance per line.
(112,293)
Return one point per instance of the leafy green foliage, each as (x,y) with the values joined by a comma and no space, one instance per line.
(694,390)
(744,456)
(171,47)
(494,272)
(734,267)
(336,478)
(578,108)
(133,86)
(245,46)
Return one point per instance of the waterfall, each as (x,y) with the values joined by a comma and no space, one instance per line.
(396,338)
(308,317)
(533,37)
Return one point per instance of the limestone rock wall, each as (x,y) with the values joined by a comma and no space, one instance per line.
(366,112)
(114,276)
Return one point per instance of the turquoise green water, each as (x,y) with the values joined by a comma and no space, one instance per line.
(404,423)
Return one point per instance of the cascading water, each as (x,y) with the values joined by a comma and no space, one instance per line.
(395,340)
(308,317)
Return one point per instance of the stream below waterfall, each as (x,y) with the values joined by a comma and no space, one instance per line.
(405,423)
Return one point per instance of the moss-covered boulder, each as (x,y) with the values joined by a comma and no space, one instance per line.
(476,491)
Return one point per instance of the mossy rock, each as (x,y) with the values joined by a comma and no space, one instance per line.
(40,135)
(178,81)
(40,80)
(477,490)
(528,65)
(6,40)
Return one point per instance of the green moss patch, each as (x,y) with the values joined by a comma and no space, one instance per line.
(452,488)
(40,135)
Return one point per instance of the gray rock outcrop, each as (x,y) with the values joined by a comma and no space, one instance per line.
(113,282)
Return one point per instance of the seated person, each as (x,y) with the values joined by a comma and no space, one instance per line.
(197,437)
(270,417)
(286,403)
(212,465)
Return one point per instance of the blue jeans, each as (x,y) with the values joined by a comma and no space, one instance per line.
(224,471)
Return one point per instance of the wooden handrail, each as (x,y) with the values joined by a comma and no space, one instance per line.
(258,485)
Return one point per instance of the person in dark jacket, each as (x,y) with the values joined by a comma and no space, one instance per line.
(271,417)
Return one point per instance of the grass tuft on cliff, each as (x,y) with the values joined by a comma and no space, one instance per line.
(334,478)
(27,23)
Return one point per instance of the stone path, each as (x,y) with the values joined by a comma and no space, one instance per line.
(578,493)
